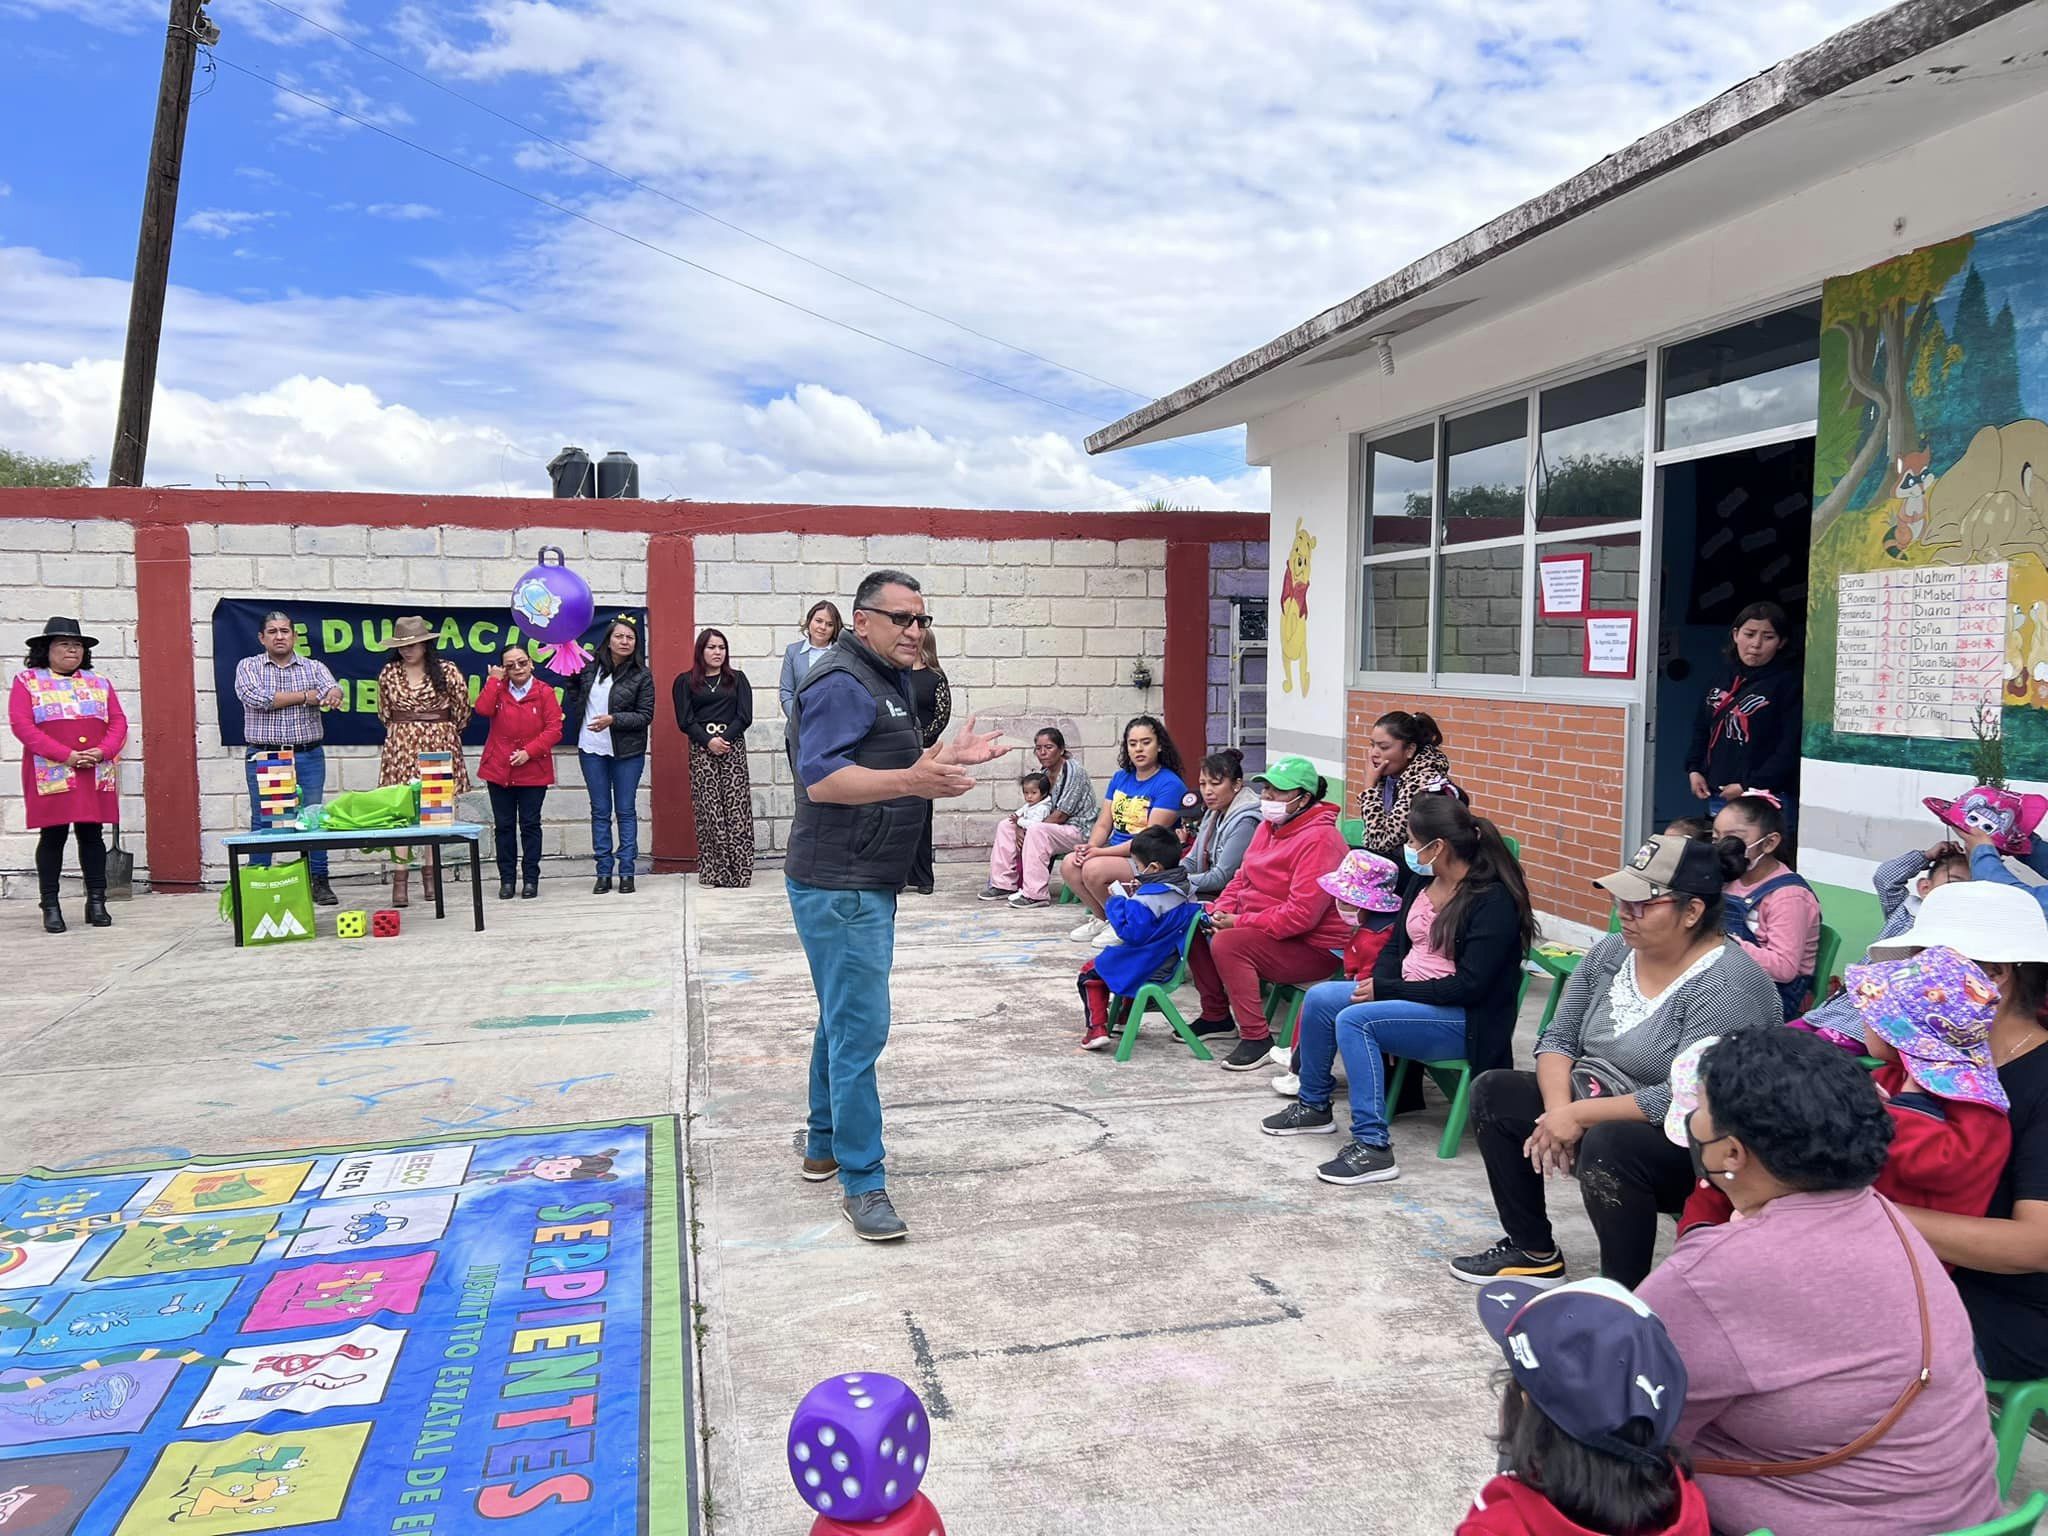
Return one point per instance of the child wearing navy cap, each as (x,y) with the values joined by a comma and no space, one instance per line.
(1592,1400)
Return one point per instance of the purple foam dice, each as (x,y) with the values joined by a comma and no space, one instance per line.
(858,1446)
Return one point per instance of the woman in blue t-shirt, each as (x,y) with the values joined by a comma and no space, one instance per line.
(1148,791)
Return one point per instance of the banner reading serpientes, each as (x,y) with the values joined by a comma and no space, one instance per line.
(351,638)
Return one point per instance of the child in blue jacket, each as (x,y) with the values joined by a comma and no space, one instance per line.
(1150,924)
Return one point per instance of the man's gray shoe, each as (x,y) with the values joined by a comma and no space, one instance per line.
(874,1218)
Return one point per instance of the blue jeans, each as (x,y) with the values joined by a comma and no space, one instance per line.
(850,940)
(613,782)
(311,763)
(1331,1022)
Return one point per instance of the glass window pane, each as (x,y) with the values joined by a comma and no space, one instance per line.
(1486,467)
(1748,378)
(1395,622)
(1400,474)
(1481,597)
(1589,458)
(1616,575)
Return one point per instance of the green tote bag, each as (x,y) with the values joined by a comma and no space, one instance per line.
(277,904)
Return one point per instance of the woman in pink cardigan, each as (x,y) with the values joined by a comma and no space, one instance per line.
(71,727)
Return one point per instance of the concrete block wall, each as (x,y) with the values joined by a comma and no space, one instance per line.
(1030,633)
(428,567)
(87,571)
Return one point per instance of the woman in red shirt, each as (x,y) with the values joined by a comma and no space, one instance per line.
(518,763)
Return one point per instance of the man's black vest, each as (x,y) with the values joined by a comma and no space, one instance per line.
(858,847)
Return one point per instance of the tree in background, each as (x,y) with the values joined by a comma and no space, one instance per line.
(27,470)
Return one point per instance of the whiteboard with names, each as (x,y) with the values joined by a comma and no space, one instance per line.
(1920,652)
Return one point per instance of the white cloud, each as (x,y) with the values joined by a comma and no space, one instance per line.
(403,212)
(1142,191)
(221,223)
(6,190)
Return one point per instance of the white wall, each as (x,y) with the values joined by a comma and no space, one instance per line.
(1311,488)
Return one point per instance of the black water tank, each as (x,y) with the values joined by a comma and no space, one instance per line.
(618,477)
(572,473)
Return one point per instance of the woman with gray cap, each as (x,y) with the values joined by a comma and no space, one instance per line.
(1595,1104)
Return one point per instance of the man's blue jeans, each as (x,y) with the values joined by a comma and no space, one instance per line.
(311,764)
(1331,1022)
(850,939)
(614,785)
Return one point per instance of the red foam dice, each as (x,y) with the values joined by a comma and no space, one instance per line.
(384,925)
(917,1518)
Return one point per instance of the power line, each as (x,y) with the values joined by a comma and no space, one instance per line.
(705,213)
(660,250)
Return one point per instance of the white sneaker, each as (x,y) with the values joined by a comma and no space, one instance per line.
(1108,938)
(1282,1056)
(1287,1085)
(1091,928)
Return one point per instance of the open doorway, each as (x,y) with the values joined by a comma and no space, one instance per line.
(1736,530)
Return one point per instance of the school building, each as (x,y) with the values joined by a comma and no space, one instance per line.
(1791,346)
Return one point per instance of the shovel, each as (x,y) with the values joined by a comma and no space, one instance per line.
(120,870)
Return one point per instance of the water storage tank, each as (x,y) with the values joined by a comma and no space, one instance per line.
(618,477)
(572,473)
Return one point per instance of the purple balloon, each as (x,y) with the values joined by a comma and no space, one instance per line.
(551,602)
(858,1446)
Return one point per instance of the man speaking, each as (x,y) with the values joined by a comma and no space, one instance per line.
(863,777)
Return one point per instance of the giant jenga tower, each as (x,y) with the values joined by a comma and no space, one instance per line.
(437,789)
(277,788)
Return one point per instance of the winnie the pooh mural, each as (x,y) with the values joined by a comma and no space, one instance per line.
(1931,456)
(1294,608)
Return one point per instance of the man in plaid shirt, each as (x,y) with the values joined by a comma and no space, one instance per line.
(282,694)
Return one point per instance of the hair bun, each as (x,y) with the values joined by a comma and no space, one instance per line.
(1733,856)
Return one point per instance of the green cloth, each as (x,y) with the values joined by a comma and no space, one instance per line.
(369,810)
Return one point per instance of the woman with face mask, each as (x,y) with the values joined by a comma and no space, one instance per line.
(1274,921)
(1771,911)
(1443,989)
(518,763)
(1595,1104)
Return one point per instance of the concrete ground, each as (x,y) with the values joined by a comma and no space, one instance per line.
(1126,1308)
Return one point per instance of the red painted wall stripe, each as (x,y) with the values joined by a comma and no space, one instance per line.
(319,509)
(1187,646)
(170,723)
(672,628)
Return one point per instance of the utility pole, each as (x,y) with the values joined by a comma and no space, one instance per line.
(188,29)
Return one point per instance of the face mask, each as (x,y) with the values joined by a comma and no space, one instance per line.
(1415,861)
(1272,810)
(1350,916)
(1750,851)
(1698,1149)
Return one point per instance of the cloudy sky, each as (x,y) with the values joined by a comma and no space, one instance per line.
(1133,193)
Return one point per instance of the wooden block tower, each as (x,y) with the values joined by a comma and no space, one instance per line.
(277,787)
(437,789)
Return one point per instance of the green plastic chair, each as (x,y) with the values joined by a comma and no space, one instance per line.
(1559,969)
(1157,995)
(1283,1003)
(1824,962)
(2018,1523)
(1454,1081)
(2018,1402)
(1353,830)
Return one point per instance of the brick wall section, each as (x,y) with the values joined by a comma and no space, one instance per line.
(86,570)
(430,567)
(1548,774)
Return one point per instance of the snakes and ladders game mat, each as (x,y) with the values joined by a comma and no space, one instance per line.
(456,1335)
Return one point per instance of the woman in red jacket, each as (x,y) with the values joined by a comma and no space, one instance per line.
(1274,921)
(519,763)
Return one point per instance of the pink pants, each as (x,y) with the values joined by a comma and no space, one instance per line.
(1229,966)
(1030,858)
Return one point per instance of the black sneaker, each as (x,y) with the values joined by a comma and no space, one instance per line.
(1203,1027)
(1249,1056)
(994,893)
(1299,1119)
(1504,1261)
(873,1217)
(1360,1164)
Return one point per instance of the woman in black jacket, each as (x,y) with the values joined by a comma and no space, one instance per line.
(607,709)
(714,706)
(1443,989)
(1747,735)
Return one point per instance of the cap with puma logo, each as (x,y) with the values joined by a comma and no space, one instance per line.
(1592,1356)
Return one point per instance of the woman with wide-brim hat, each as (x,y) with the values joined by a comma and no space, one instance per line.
(424,704)
(71,727)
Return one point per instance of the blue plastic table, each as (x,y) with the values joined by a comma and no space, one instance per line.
(434,838)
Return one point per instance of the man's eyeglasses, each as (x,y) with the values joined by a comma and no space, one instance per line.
(1635,909)
(900,620)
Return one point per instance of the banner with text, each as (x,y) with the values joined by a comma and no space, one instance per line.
(450,1336)
(350,638)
